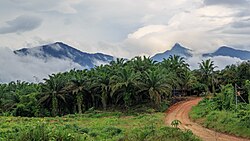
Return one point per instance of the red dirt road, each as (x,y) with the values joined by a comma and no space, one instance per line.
(180,112)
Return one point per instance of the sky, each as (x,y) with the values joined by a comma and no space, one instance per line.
(126,28)
(122,28)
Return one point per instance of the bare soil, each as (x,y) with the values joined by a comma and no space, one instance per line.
(179,111)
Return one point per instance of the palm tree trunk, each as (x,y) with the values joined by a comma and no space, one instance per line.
(104,101)
(54,105)
(213,87)
(79,103)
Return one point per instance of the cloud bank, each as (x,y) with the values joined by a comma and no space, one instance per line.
(29,68)
(220,61)
(32,69)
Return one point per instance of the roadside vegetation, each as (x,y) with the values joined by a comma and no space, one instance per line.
(229,110)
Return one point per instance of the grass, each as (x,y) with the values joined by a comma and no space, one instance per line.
(94,126)
(222,121)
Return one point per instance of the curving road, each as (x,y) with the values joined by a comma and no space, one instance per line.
(180,112)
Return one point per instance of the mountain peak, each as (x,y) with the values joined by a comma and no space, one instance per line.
(225,47)
(177,45)
(59,43)
(177,49)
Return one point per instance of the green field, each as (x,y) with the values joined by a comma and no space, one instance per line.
(108,126)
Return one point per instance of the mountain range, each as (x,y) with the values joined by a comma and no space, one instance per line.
(231,52)
(178,49)
(63,51)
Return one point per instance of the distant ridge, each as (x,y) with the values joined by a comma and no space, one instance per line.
(63,51)
(231,52)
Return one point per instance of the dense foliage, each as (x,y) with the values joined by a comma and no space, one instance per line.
(122,84)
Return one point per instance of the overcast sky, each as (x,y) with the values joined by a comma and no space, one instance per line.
(125,28)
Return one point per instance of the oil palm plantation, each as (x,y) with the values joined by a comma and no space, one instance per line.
(122,85)
(100,84)
(207,72)
(177,63)
(154,84)
(179,68)
(53,93)
(141,64)
(78,87)
(187,81)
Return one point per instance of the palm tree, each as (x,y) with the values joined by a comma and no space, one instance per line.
(101,84)
(188,80)
(140,64)
(78,86)
(175,123)
(154,84)
(229,75)
(53,92)
(177,63)
(207,71)
(120,62)
(122,85)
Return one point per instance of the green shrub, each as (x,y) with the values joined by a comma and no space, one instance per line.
(42,132)
(113,131)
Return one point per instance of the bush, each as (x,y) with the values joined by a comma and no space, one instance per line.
(43,133)
(112,131)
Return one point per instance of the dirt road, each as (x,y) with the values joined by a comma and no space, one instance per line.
(180,112)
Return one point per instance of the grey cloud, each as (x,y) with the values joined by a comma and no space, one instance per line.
(245,12)
(239,27)
(240,31)
(241,24)
(60,6)
(225,2)
(21,24)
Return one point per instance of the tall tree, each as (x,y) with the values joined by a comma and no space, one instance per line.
(53,92)
(78,86)
(154,84)
(207,71)
(178,66)
(122,85)
(101,84)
